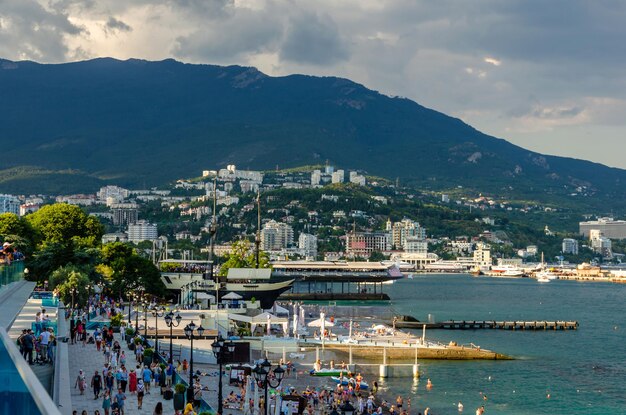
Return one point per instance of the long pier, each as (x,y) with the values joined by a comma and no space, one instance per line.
(490,324)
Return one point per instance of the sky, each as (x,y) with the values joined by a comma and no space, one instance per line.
(549,76)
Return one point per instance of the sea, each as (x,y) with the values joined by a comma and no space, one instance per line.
(554,372)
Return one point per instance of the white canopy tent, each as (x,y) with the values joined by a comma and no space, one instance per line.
(232,296)
(263,319)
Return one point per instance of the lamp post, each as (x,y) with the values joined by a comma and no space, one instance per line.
(263,374)
(189,332)
(157,312)
(145,320)
(221,351)
(130,306)
(169,320)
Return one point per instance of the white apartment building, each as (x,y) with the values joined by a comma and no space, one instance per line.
(610,228)
(364,243)
(276,236)
(142,231)
(9,204)
(27,208)
(231,173)
(357,178)
(414,245)
(482,255)
(118,194)
(338,177)
(316,177)
(570,246)
(307,244)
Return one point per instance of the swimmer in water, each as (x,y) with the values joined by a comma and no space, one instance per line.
(429,384)
(460,406)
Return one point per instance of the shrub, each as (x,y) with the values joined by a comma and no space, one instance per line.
(180,388)
(148,352)
(116,320)
(130,331)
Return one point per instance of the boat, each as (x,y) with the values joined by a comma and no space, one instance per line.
(506,271)
(349,381)
(327,372)
(546,276)
(193,276)
(542,278)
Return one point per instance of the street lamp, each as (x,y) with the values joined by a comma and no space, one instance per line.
(169,320)
(157,312)
(189,332)
(221,351)
(145,320)
(263,374)
(130,306)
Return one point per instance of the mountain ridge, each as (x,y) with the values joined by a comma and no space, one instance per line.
(156,121)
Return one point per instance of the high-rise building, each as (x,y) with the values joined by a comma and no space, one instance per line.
(125,213)
(401,231)
(9,204)
(603,246)
(276,236)
(364,243)
(357,178)
(482,254)
(307,244)
(338,176)
(142,231)
(414,245)
(570,246)
(610,228)
(316,177)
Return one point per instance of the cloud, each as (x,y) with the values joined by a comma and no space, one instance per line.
(113,25)
(493,61)
(313,39)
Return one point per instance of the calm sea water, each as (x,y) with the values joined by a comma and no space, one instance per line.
(584,371)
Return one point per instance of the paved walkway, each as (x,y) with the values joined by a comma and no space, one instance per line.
(12,299)
(90,360)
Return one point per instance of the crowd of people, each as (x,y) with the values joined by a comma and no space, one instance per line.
(8,254)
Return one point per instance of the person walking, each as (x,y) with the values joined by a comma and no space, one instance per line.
(140,392)
(96,384)
(120,397)
(29,343)
(80,382)
(106,402)
(147,378)
(158,409)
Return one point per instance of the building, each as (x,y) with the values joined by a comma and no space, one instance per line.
(601,244)
(248,186)
(115,193)
(445,198)
(276,236)
(362,244)
(125,213)
(307,244)
(415,245)
(357,178)
(570,246)
(231,173)
(316,177)
(338,177)
(78,200)
(27,208)
(142,231)
(114,237)
(482,255)
(9,204)
(610,228)
(401,231)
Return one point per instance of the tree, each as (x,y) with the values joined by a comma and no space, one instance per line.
(11,224)
(71,284)
(134,272)
(241,256)
(377,256)
(53,255)
(60,223)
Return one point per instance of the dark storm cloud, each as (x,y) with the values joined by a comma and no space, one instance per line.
(313,39)
(113,25)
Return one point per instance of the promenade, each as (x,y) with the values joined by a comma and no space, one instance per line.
(89,360)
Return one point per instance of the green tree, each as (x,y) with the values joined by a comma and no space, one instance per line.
(59,223)
(53,255)
(71,284)
(11,224)
(241,256)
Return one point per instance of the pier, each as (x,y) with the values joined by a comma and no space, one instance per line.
(489,324)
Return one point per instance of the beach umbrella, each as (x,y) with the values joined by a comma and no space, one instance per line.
(379,327)
(246,402)
(256,410)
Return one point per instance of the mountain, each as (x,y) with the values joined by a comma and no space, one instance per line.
(137,123)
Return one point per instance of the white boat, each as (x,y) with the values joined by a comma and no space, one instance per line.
(542,278)
(507,271)
(545,276)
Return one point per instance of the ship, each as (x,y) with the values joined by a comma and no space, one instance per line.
(186,277)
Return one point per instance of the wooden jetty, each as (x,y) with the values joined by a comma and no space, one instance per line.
(408,322)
